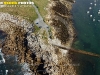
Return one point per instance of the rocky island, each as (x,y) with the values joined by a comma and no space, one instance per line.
(39,51)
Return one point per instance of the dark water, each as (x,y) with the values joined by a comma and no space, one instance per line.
(13,67)
(2,37)
(88,34)
(11,64)
(2,66)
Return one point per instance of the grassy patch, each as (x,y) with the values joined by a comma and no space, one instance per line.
(26,12)
(36,28)
(45,36)
(41,4)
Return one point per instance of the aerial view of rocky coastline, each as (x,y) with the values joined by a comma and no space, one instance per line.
(38,37)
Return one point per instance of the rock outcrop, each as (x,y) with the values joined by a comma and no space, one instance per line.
(43,58)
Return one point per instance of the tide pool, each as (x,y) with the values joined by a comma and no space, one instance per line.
(87,24)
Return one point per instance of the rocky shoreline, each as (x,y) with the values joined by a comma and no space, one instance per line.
(60,19)
(42,58)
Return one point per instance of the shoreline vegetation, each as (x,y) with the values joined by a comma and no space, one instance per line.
(49,55)
(59,17)
(31,49)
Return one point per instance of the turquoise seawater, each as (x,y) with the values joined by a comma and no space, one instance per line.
(88,34)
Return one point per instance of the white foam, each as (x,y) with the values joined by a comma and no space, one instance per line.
(90,15)
(93,19)
(98,20)
(3,60)
(0,49)
(88,12)
(90,7)
(95,4)
(99,13)
(91,3)
(1,54)
(6,72)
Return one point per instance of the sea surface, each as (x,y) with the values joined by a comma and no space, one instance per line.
(86,17)
(10,64)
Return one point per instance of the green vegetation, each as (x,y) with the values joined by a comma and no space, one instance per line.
(50,33)
(41,4)
(36,28)
(25,12)
(45,37)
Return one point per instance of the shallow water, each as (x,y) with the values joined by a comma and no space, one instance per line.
(88,34)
